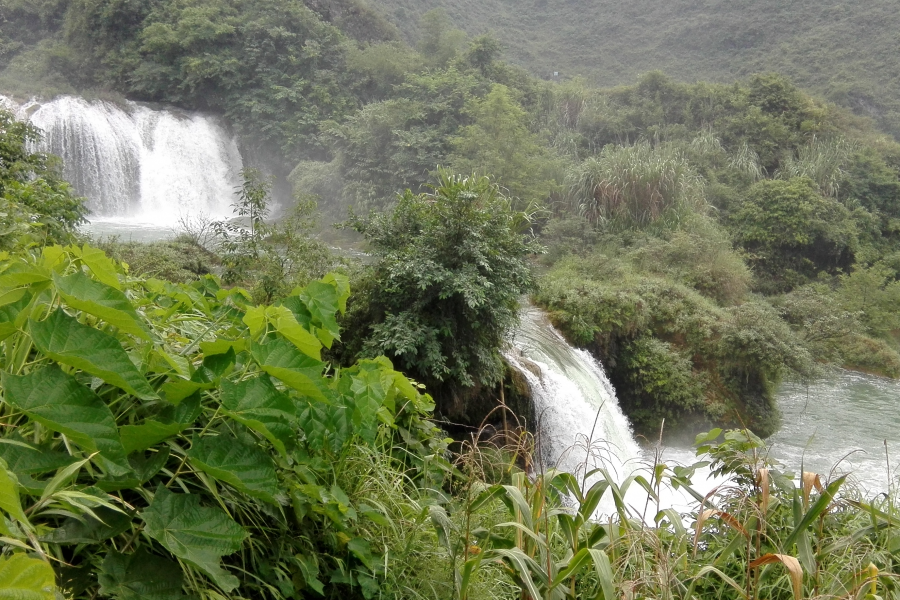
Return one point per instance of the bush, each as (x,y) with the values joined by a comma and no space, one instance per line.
(444,289)
(170,437)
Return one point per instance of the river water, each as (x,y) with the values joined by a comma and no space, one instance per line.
(841,425)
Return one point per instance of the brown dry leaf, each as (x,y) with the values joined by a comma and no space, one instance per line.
(790,563)
(762,480)
(727,517)
(810,480)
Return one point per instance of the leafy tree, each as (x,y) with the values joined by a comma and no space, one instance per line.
(444,289)
(794,232)
(270,257)
(499,143)
(36,204)
(440,42)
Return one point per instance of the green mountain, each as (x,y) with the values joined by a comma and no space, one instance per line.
(843,51)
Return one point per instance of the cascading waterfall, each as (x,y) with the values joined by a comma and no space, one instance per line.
(574,402)
(580,425)
(133,162)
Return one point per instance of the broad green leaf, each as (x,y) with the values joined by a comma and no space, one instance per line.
(9,495)
(143,468)
(148,434)
(221,346)
(342,285)
(196,534)
(64,339)
(282,360)
(368,396)
(100,265)
(322,301)
(243,466)
(284,323)
(11,317)
(60,403)
(176,390)
(88,529)
(21,274)
(103,301)
(140,576)
(26,578)
(257,404)
(255,319)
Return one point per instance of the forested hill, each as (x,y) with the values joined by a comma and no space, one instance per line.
(844,51)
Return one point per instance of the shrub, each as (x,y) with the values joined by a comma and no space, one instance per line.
(173,437)
(444,289)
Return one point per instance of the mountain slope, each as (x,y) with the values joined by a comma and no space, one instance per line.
(843,51)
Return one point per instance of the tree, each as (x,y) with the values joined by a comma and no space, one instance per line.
(499,143)
(793,232)
(444,290)
(36,204)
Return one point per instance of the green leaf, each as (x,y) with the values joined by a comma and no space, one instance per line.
(255,320)
(64,339)
(368,395)
(257,404)
(282,360)
(823,502)
(284,322)
(196,534)
(342,285)
(105,302)
(26,578)
(11,317)
(90,530)
(9,495)
(140,576)
(322,301)
(148,434)
(245,467)
(60,403)
(100,265)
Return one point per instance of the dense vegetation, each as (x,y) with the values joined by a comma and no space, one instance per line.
(842,51)
(235,413)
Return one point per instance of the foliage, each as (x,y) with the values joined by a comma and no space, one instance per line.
(671,352)
(178,260)
(270,258)
(176,438)
(498,143)
(38,206)
(635,186)
(762,532)
(444,289)
(794,232)
(833,50)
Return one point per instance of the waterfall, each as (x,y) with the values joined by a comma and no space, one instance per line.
(574,403)
(134,162)
(579,422)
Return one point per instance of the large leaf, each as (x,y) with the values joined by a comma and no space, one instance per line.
(196,534)
(64,339)
(26,578)
(140,576)
(9,495)
(243,466)
(148,434)
(259,405)
(284,322)
(322,301)
(100,265)
(87,529)
(60,403)
(11,317)
(282,360)
(105,302)
(369,394)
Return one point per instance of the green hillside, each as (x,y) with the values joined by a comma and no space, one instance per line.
(845,52)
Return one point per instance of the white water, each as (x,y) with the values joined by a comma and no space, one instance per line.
(579,423)
(140,167)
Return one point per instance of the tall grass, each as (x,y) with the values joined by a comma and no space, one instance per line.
(637,185)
